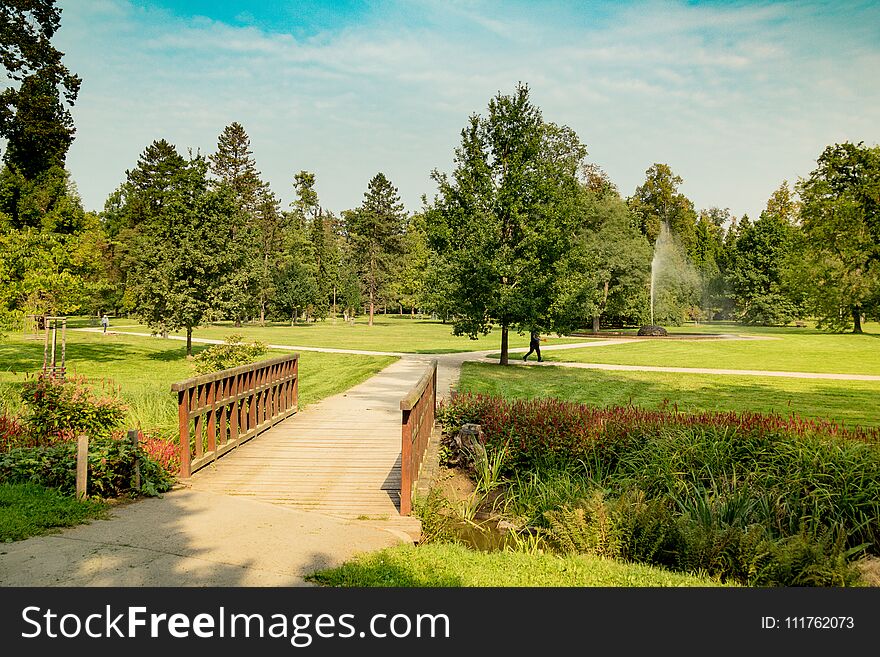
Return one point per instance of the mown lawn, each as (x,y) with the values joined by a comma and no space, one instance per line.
(780,349)
(848,402)
(443,565)
(143,369)
(396,333)
(29,510)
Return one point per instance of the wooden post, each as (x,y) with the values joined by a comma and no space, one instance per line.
(134,437)
(63,348)
(406,465)
(82,466)
(183,422)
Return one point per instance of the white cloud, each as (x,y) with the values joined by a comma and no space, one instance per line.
(734,99)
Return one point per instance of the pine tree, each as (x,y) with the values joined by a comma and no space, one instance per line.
(234,166)
(34,119)
(376,229)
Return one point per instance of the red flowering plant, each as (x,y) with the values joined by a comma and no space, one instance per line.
(539,428)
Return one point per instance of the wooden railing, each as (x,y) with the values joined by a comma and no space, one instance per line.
(221,410)
(417,410)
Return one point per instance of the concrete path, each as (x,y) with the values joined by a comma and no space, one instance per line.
(191,538)
(697,370)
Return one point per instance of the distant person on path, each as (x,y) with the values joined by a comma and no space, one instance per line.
(534,345)
(105,322)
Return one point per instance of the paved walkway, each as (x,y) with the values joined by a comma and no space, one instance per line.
(191,538)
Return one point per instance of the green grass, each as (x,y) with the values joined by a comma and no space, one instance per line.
(782,349)
(395,333)
(145,368)
(30,510)
(848,402)
(453,565)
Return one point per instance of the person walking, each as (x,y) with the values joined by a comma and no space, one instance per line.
(534,345)
(105,322)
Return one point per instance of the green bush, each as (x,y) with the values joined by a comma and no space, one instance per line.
(68,407)
(111,468)
(714,539)
(232,353)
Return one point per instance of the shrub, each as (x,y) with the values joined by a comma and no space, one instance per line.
(231,353)
(543,428)
(111,467)
(63,407)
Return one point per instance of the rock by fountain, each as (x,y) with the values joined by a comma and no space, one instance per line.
(653,330)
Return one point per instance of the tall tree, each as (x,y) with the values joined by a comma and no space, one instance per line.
(34,118)
(840,268)
(234,167)
(708,258)
(376,229)
(182,254)
(506,216)
(604,275)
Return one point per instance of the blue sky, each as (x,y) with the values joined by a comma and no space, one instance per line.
(735,97)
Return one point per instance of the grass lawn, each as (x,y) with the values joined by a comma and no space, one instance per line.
(454,565)
(849,402)
(791,349)
(399,333)
(29,510)
(145,368)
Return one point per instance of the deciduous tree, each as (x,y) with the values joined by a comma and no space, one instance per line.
(839,269)
(506,217)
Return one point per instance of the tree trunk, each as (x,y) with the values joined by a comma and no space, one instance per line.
(238,322)
(857,319)
(189,341)
(504,344)
(371,307)
(595,323)
(262,312)
(334,302)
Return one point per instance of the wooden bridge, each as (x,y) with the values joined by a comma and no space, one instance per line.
(353,455)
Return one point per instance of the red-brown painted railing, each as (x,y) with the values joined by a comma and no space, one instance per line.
(417,410)
(221,410)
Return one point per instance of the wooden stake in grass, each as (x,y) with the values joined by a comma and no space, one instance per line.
(82,466)
(134,437)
